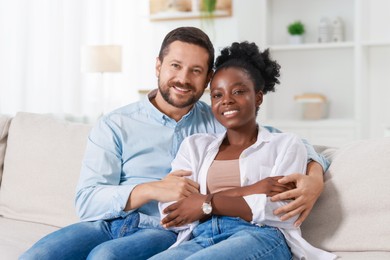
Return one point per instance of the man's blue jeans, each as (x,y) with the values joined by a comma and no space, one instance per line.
(230,238)
(112,239)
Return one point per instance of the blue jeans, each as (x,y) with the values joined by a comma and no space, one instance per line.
(230,238)
(119,238)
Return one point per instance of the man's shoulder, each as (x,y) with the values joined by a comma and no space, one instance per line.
(128,110)
(272,129)
(125,115)
(203,107)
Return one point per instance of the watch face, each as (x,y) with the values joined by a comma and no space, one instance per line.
(207,208)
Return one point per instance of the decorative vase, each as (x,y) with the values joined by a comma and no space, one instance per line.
(324,30)
(337,30)
(296,39)
(195,6)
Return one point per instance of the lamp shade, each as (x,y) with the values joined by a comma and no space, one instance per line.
(101,58)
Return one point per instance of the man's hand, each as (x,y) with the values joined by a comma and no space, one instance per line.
(184,211)
(174,186)
(308,189)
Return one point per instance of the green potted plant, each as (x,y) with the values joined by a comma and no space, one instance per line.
(296,31)
(209,7)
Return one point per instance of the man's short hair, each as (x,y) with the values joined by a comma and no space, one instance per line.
(190,35)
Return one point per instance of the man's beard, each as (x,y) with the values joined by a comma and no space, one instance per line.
(167,97)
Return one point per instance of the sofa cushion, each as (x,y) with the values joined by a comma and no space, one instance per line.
(17,236)
(41,169)
(4,125)
(353,211)
(363,255)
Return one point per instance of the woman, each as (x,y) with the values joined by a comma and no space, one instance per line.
(237,171)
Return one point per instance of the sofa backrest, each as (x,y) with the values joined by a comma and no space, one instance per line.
(43,159)
(353,212)
(4,126)
(41,169)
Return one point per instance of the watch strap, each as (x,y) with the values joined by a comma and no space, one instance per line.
(209,198)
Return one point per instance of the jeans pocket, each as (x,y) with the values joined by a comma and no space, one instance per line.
(124,226)
(204,228)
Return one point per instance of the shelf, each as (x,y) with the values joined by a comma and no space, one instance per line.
(376,44)
(328,68)
(177,15)
(280,13)
(313,123)
(329,132)
(312,46)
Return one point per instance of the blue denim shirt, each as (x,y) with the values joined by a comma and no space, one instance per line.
(118,157)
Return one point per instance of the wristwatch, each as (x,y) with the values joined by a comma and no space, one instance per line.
(206,206)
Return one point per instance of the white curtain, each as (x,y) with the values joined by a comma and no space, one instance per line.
(40,44)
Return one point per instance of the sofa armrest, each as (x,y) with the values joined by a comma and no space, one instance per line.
(4,127)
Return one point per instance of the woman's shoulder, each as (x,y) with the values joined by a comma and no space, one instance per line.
(283,136)
(200,143)
(202,138)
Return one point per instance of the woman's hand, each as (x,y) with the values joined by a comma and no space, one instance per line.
(270,186)
(308,189)
(184,211)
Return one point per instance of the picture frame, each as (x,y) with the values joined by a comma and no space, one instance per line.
(161,10)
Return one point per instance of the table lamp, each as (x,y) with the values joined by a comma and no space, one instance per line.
(102,59)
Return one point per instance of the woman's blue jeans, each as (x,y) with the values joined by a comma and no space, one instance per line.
(230,238)
(119,238)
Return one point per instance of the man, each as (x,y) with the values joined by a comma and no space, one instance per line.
(126,169)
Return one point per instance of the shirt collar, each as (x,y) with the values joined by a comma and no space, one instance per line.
(153,111)
(263,136)
(157,114)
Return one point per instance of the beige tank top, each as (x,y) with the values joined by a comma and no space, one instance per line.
(223,175)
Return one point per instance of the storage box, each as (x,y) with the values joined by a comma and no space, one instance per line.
(312,106)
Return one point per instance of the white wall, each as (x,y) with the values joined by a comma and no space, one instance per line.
(131,27)
(143,38)
(90,22)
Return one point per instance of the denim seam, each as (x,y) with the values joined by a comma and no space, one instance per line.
(268,252)
(107,228)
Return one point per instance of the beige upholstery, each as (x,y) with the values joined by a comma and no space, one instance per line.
(41,169)
(4,125)
(16,236)
(42,164)
(353,212)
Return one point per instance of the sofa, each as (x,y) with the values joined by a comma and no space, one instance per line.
(40,159)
